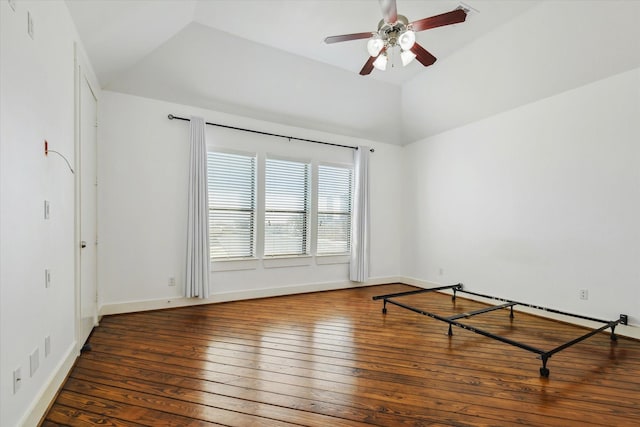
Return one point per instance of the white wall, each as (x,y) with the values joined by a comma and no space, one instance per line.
(265,84)
(37,103)
(143,163)
(550,48)
(536,203)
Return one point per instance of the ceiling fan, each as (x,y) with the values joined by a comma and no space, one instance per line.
(396,31)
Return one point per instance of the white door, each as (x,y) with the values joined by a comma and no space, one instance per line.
(88,291)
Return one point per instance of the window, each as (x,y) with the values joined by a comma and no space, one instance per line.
(286,216)
(295,195)
(334,210)
(232,204)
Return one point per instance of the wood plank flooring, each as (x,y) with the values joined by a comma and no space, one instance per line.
(333,359)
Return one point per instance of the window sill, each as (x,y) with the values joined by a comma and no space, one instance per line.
(289,261)
(332,259)
(239,264)
(235,264)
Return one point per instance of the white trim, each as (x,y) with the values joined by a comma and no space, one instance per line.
(286,158)
(313,210)
(234,264)
(343,165)
(332,259)
(135,306)
(82,72)
(286,261)
(83,59)
(211,147)
(47,394)
(629,331)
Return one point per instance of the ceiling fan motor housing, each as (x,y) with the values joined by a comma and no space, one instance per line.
(390,32)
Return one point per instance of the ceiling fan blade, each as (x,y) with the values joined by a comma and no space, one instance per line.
(368,66)
(347,37)
(422,55)
(389,11)
(453,17)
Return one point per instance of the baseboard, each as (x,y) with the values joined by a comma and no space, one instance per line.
(157,304)
(41,403)
(419,283)
(629,331)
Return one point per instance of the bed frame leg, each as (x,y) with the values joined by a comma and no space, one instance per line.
(544,371)
(511,313)
(450,333)
(624,320)
(384,307)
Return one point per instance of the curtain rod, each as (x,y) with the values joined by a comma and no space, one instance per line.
(171,117)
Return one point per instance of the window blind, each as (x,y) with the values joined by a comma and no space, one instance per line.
(334,210)
(232,204)
(286,208)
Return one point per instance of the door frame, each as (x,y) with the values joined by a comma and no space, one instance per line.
(82,72)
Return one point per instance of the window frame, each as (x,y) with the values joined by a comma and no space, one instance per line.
(307,213)
(259,259)
(253,245)
(318,212)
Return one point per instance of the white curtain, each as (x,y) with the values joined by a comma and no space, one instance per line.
(197,280)
(359,265)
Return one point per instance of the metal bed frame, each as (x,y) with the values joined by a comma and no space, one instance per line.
(453,320)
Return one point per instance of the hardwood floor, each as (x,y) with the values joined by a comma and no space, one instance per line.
(333,359)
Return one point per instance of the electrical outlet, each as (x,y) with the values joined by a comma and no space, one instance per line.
(47,278)
(172,281)
(17,380)
(47,346)
(34,362)
(47,209)
(584,294)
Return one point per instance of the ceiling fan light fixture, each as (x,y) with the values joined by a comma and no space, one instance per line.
(407,39)
(395,30)
(374,46)
(407,56)
(381,62)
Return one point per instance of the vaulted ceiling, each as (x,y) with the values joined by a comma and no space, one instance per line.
(266,59)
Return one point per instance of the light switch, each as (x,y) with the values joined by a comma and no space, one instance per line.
(30,24)
(17,380)
(34,362)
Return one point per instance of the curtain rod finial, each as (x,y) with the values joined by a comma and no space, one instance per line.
(170,116)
